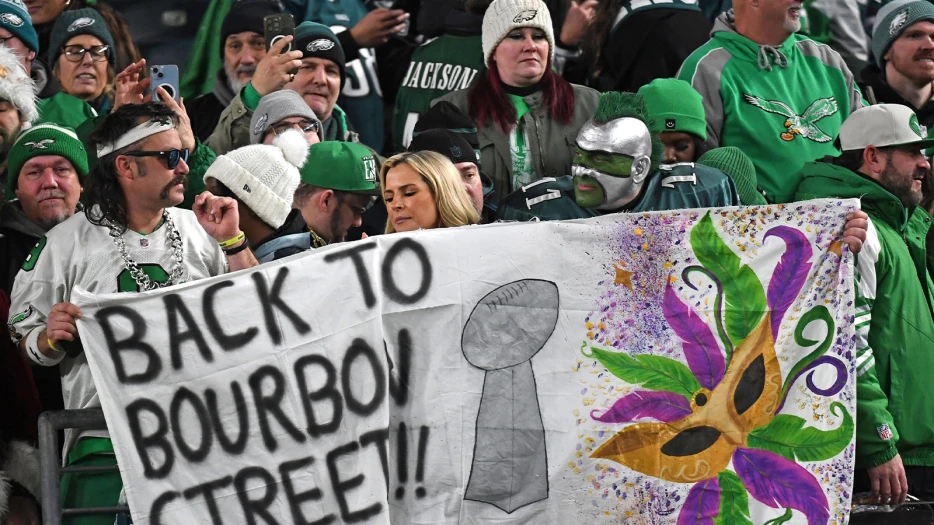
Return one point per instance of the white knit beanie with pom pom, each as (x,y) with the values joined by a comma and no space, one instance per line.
(263,176)
(505,15)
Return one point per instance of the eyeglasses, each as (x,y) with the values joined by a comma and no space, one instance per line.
(76,53)
(305,125)
(171,156)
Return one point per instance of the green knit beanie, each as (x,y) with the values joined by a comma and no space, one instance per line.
(733,162)
(676,106)
(45,139)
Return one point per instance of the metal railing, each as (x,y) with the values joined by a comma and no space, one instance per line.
(50,465)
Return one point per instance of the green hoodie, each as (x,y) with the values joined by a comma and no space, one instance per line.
(783,105)
(894,320)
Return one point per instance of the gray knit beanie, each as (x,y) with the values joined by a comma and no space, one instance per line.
(893,19)
(275,107)
(505,15)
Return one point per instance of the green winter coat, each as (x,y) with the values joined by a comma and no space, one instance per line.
(894,321)
(551,143)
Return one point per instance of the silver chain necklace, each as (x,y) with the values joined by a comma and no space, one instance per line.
(143,280)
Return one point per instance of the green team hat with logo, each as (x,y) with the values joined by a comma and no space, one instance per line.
(883,125)
(45,139)
(342,166)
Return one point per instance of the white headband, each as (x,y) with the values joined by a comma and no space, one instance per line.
(146,129)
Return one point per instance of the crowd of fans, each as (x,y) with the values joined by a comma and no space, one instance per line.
(375,119)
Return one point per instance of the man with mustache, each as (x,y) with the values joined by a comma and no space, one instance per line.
(778,96)
(883,165)
(242,47)
(130,238)
(903,46)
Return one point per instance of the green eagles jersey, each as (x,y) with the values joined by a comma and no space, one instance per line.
(361,97)
(673,187)
(547,199)
(438,66)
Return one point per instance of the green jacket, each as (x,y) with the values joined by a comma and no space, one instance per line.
(233,128)
(894,320)
(64,110)
(552,143)
(782,105)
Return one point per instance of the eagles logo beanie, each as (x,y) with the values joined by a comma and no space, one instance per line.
(14,17)
(318,41)
(893,19)
(505,15)
(675,106)
(45,139)
(84,21)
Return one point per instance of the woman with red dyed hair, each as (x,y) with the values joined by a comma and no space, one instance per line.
(527,116)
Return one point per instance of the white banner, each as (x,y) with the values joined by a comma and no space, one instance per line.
(618,369)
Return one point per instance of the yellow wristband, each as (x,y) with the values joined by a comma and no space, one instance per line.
(228,243)
(49,340)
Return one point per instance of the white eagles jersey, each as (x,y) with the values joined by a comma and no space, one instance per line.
(79,253)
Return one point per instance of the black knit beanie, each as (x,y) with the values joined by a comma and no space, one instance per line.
(247,15)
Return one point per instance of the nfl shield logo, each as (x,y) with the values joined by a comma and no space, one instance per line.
(885,432)
(144,243)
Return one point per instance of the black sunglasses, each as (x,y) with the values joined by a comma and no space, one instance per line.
(171,156)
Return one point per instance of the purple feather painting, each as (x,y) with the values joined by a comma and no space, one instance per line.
(721,414)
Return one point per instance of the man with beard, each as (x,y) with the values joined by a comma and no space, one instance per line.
(903,46)
(776,95)
(339,182)
(130,238)
(17,107)
(242,47)
(883,165)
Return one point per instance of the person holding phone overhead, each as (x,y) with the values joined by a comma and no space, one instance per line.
(359,29)
(242,47)
(81,55)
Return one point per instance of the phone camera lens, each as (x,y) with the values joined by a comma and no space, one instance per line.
(161,75)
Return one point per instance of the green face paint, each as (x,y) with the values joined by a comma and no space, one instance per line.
(617,165)
(588,192)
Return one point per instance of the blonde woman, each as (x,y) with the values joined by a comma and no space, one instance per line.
(423,190)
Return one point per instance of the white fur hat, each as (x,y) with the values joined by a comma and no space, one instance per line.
(264,177)
(505,15)
(16,87)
